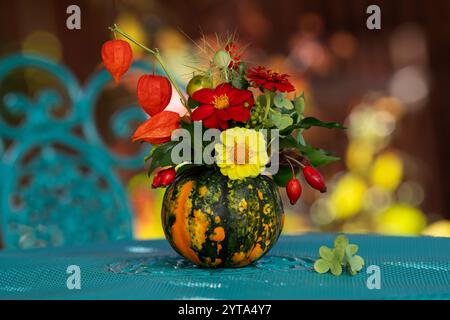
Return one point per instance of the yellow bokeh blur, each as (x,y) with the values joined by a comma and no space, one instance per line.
(401,219)
(42,43)
(359,156)
(387,171)
(438,229)
(146,203)
(132,26)
(295,223)
(347,197)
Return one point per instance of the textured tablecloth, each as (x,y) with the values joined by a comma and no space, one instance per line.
(410,268)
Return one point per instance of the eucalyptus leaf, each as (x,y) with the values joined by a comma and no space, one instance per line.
(300,139)
(282,102)
(262,100)
(240,82)
(281,121)
(299,104)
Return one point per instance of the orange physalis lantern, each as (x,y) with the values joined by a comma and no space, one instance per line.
(158,129)
(154,93)
(117,56)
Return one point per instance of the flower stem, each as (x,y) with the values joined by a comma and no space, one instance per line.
(292,168)
(295,160)
(268,103)
(157,56)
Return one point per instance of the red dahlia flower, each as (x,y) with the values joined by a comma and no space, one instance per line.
(221,104)
(270,80)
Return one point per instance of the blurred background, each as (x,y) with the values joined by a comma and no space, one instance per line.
(388,86)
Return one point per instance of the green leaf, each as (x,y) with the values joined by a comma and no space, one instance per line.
(149,156)
(262,100)
(283,175)
(299,104)
(322,266)
(313,122)
(192,103)
(356,263)
(339,254)
(316,156)
(282,102)
(351,249)
(287,142)
(240,82)
(336,269)
(281,121)
(161,156)
(341,241)
(326,253)
(342,256)
(309,122)
(301,141)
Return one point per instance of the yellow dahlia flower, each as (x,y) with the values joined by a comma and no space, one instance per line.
(241,153)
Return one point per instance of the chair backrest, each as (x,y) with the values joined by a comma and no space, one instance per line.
(59,182)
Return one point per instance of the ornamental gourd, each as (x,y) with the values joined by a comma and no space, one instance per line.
(154,93)
(217,222)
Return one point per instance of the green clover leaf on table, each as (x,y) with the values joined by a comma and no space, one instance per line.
(354,262)
(329,261)
(342,256)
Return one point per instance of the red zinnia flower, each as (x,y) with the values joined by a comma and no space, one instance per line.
(270,80)
(221,104)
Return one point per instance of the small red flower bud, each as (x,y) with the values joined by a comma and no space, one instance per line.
(156,181)
(294,190)
(167,176)
(117,56)
(314,179)
(233,50)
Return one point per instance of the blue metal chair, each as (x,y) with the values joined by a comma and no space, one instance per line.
(58,187)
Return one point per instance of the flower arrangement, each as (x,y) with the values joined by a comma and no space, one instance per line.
(223,210)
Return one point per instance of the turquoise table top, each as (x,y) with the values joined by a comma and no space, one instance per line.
(408,268)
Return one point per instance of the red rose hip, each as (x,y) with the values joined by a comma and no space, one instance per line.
(167,176)
(314,179)
(164,178)
(294,190)
(156,181)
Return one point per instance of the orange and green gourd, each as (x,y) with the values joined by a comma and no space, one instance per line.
(217,222)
